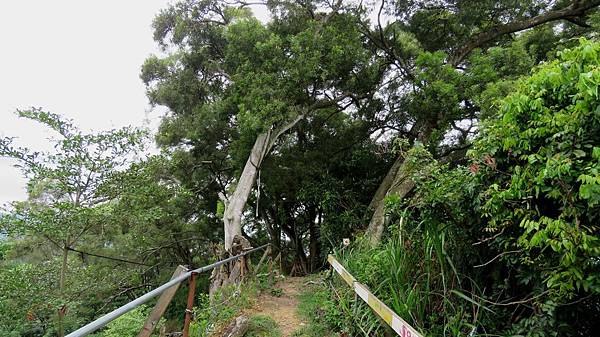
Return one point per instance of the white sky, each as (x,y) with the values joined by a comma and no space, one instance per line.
(77,58)
(80,59)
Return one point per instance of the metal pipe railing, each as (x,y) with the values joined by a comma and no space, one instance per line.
(102,321)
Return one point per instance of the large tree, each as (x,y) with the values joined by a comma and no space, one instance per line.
(443,56)
(235,86)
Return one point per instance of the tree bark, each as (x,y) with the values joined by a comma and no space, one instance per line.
(397,181)
(573,13)
(301,262)
(234,206)
(274,230)
(315,242)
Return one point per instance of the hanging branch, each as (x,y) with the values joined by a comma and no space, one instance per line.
(574,13)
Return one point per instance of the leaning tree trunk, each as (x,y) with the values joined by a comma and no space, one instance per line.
(235,243)
(234,206)
(377,204)
(396,182)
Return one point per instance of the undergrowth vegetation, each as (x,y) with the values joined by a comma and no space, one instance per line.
(320,310)
(226,304)
(262,326)
(129,325)
(507,245)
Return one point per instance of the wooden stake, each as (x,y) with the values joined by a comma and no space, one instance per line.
(190,306)
(266,253)
(280,269)
(161,305)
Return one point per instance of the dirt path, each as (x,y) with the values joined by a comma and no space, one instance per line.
(282,309)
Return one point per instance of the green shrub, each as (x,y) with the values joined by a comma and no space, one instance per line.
(262,326)
(129,324)
(511,244)
(541,157)
(226,304)
(547,145)
(319,307)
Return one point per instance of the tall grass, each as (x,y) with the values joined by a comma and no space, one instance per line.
(414,273)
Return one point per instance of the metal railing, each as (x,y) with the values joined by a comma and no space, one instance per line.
(102,321)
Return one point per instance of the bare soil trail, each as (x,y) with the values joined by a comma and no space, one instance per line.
(282,309)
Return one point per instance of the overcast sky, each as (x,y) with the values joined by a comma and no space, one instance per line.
(78,58)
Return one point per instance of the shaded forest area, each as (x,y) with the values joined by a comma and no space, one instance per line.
(457,143)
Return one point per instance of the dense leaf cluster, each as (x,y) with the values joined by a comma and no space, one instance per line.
(509,243)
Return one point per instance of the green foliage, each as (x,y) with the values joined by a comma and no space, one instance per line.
(226,304)
(416,275)
(28,286)
(65,200)
(514,232)
(5,248)
(317,305)
(277,292)
(262,326)
(155,210)
(66,206)
(547,144)
(128,325)
(202,323)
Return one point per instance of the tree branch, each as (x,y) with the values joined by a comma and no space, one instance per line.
(573,13)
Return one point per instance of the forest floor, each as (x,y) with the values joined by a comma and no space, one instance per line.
(281,304)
